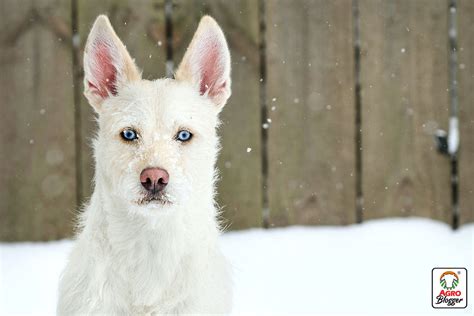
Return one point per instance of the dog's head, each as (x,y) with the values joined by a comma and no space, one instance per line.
(157,141)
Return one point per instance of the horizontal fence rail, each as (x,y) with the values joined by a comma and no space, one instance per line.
(331,122)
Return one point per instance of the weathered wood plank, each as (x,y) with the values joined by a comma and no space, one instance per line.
(239,190)
(140,25)
(311,106)
(466,106)
(37,184)
(404,68)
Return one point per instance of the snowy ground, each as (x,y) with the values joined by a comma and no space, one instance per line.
(381,267)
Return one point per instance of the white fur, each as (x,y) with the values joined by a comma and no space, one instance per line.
(131,258)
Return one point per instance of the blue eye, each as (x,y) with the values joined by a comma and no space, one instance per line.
(129,135)
(184,135)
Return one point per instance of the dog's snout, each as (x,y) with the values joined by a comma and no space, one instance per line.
(154,179)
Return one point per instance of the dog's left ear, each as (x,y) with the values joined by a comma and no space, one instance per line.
(206,63)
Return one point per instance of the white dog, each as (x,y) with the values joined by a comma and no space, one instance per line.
(148,238)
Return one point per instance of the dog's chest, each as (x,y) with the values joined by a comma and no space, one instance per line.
(155,278)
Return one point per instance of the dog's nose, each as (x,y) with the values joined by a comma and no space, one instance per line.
(154,179)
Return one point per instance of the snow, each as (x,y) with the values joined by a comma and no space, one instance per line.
(381,267)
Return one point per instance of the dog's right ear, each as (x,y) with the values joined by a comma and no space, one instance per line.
(107,64)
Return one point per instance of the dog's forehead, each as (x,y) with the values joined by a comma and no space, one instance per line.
(161,103)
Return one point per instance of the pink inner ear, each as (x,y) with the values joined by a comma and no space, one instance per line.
(104,71)
(211,70)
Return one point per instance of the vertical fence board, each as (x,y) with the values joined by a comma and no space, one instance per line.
(404,76)
(185,19)
(310,96)
(37,193)
(466,113)
(239,190)
(140,25)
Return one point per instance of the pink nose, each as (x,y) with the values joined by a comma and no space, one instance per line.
(154,179)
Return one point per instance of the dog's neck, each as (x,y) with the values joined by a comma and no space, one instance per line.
(148,258)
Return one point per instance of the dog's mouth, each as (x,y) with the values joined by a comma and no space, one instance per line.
(154,198)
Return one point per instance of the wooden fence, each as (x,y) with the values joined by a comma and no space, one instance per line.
(331,120)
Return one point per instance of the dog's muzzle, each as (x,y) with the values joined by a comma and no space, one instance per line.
(154,181)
